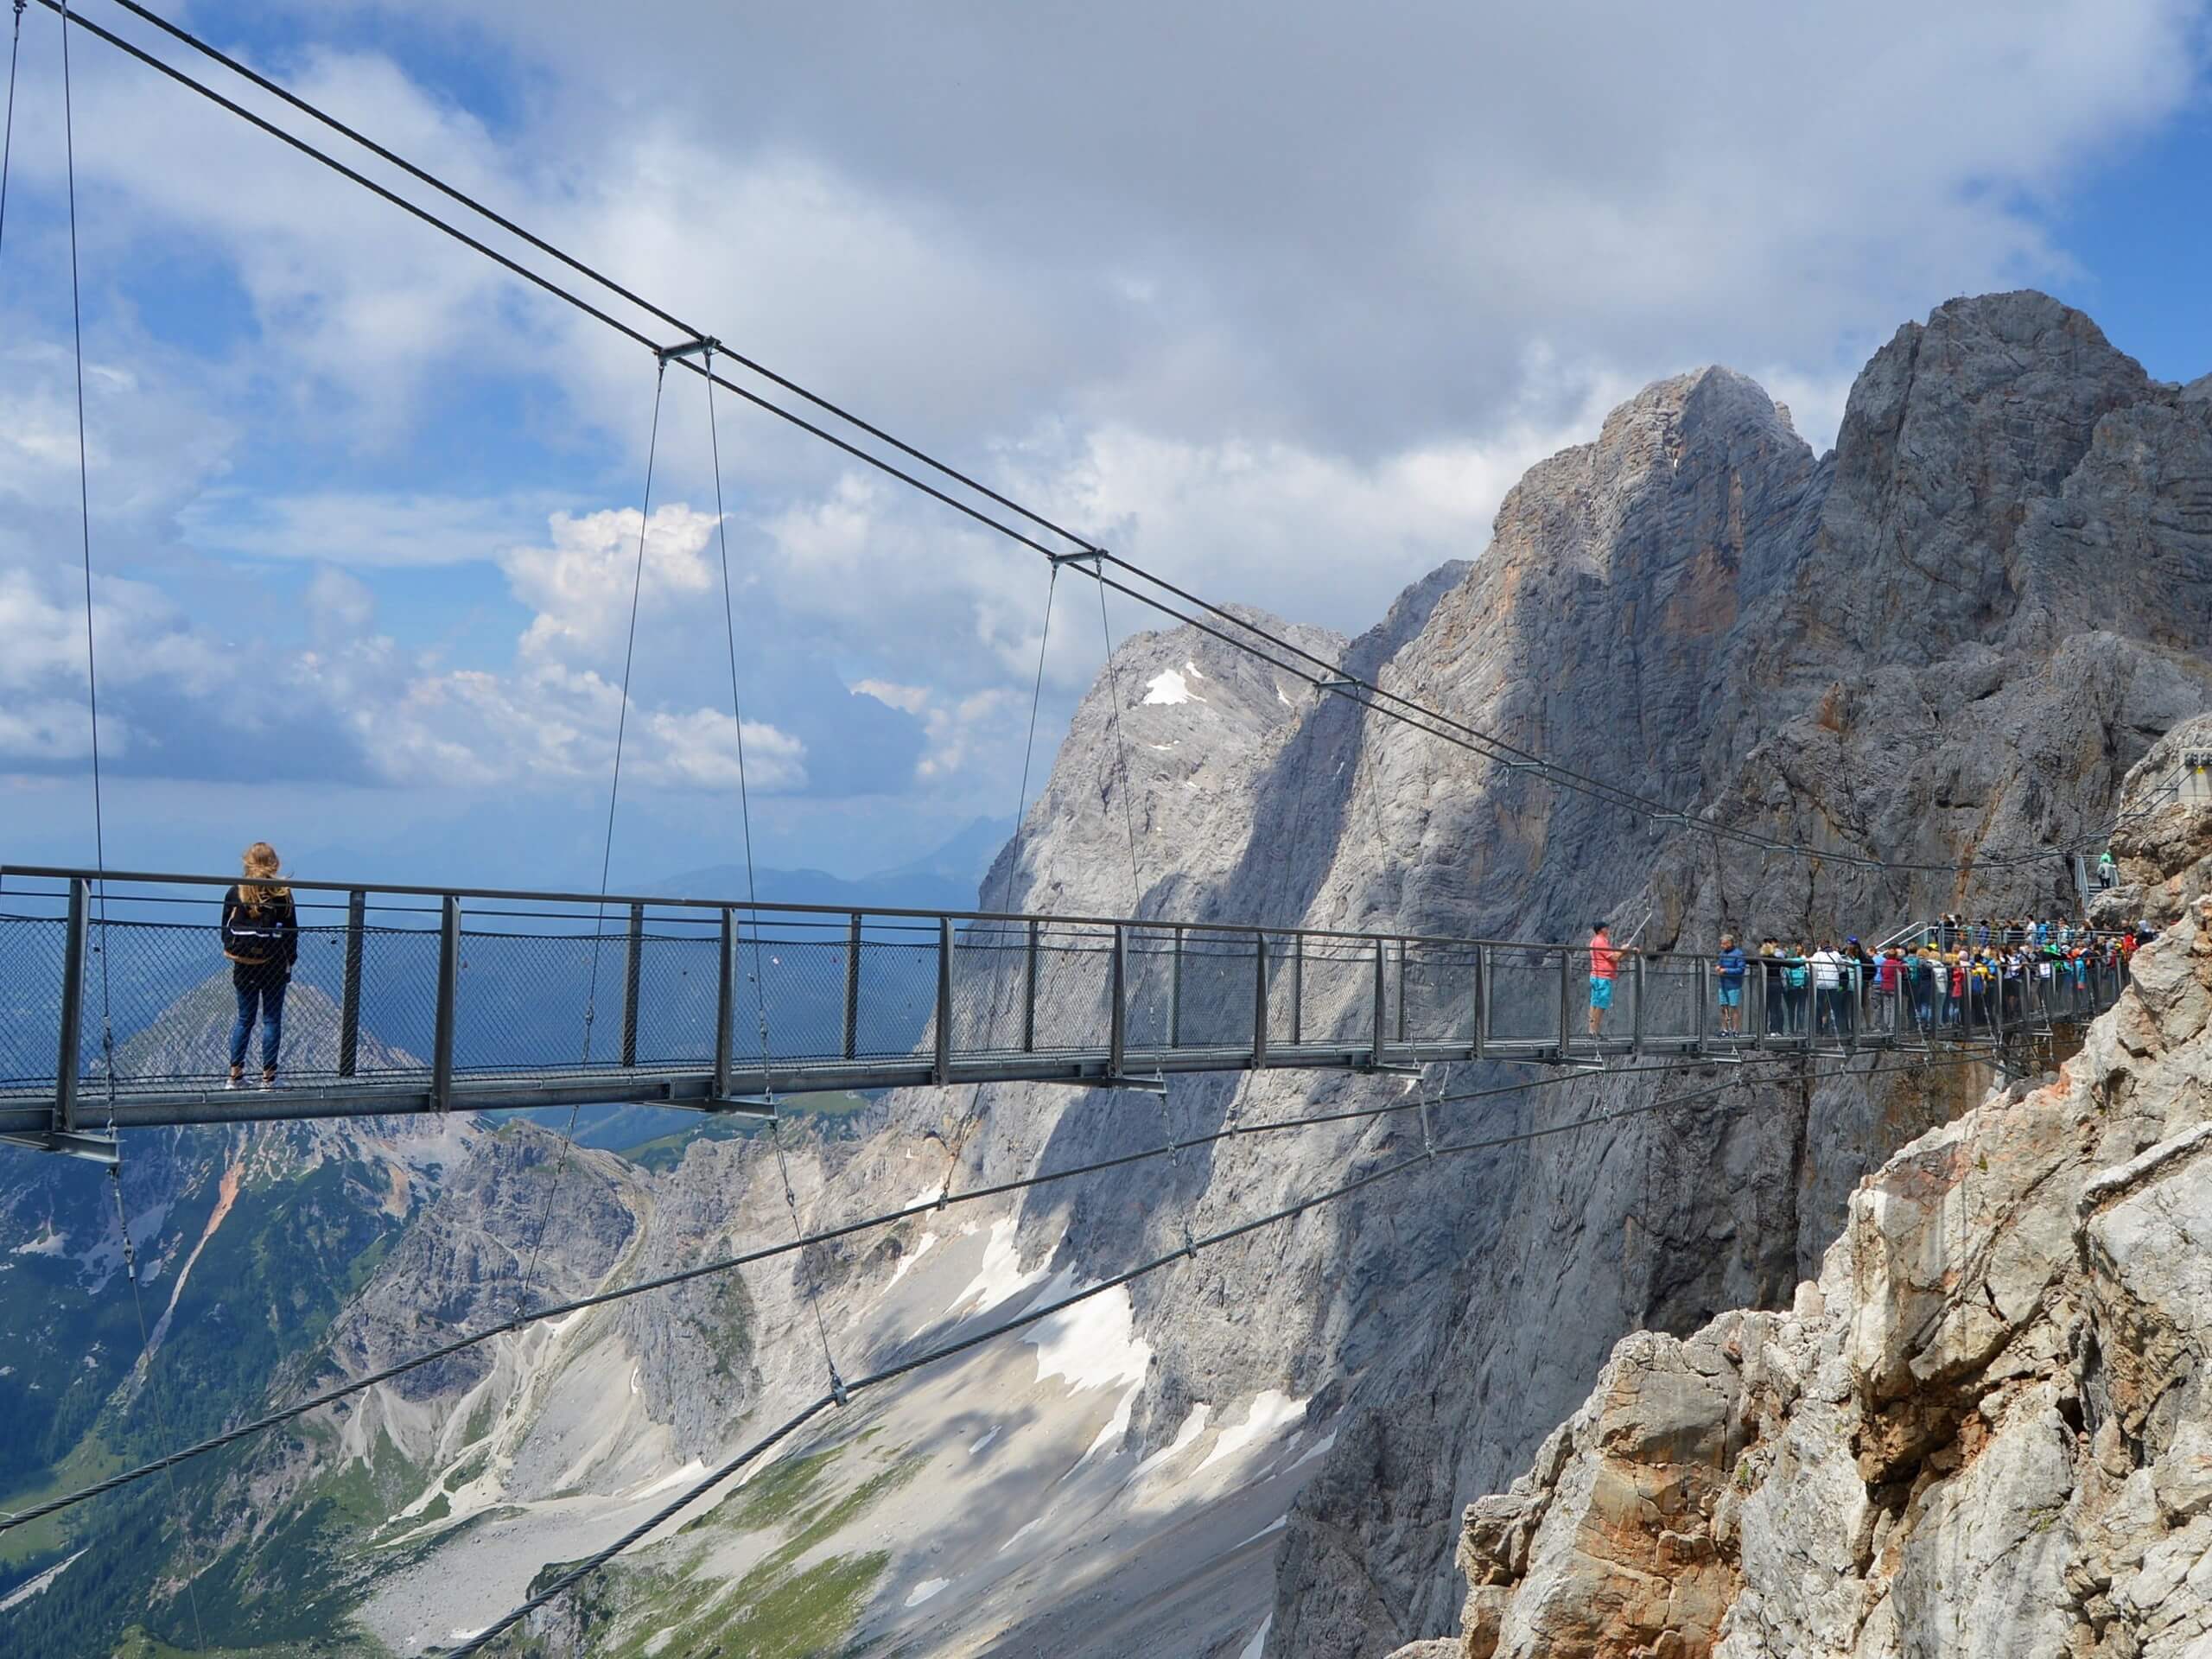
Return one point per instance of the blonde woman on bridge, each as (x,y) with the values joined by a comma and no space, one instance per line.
(261,937)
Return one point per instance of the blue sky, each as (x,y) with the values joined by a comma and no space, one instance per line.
(1280,299)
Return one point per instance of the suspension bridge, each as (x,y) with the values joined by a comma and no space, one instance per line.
(411,1000)
(114,1000)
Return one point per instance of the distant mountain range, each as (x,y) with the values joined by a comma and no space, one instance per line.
(946,879)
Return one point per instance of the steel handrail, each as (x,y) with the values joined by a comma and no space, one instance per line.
(1242,930)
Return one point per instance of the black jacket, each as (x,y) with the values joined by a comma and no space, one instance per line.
(262,940)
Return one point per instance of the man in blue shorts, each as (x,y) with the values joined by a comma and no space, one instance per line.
(1604,961)
(1731,968)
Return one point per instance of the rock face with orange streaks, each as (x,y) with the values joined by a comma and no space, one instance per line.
(1984,1431)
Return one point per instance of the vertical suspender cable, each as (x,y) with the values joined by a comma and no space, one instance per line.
(1136,885)
(8,134)
(85,528)
(1029,744)
(622,715)
(1014,856)
(99,825)
(752,891)
(1121,754)
(607,852)
(7,153)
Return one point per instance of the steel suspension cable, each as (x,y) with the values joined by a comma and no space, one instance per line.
(959,1138)
(606,851)
(99,825)
(667,1512)
(7,155)
(1029,744)
(1347,686)
(752,895)
(725,1264)
(145,1371)
(276,89)
(538,280)
(1120,756)
(937,1355)
(7,137)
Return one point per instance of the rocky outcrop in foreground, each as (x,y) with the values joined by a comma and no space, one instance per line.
(1985,1430)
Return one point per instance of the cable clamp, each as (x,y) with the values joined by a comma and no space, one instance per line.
(1089,554)
(704,345)
(1337,684)
(838,1391)
(1190,1244)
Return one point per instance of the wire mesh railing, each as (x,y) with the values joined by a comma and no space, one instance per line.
(115,998)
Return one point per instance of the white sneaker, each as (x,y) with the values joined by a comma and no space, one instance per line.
(268,1081)
(233,1083)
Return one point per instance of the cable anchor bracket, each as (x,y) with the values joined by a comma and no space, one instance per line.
(1090,554)
(703,345)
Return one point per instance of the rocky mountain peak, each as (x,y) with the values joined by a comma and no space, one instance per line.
(1967,499)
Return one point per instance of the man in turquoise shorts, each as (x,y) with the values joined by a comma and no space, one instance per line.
(1731,968)
(1604,961)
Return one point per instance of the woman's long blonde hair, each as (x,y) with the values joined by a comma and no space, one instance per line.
(261,865)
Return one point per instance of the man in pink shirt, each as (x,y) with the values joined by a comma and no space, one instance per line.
(1605,961)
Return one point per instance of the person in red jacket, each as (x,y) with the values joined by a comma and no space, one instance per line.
(1604,963)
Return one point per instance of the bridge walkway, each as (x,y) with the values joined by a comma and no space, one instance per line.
(116,1005)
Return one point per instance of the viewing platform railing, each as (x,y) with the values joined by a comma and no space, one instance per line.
(117,1006)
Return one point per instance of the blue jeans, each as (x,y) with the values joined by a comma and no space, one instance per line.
(269,996)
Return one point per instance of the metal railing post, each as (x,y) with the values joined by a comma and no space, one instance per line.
(941,1065)
(69,1057)
(1563,1006)
(1259,1000)
(1636,1014)
(726,1001)
(1029,993)
(1402,1024)
(1175,993)
(1381,1010)
(1997,1001)
(349,994)
(633,962)
(1697,1041)
(853,988)
(1757,1002)
(1483,976)
(1117,1022)
(448,994)
(1296,989)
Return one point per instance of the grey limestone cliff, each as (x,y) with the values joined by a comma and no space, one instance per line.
(1981,1431)
(1944,642)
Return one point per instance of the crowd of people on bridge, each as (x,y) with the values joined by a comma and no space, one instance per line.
(1959,973)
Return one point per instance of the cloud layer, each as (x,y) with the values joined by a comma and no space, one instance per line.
(1278,302)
